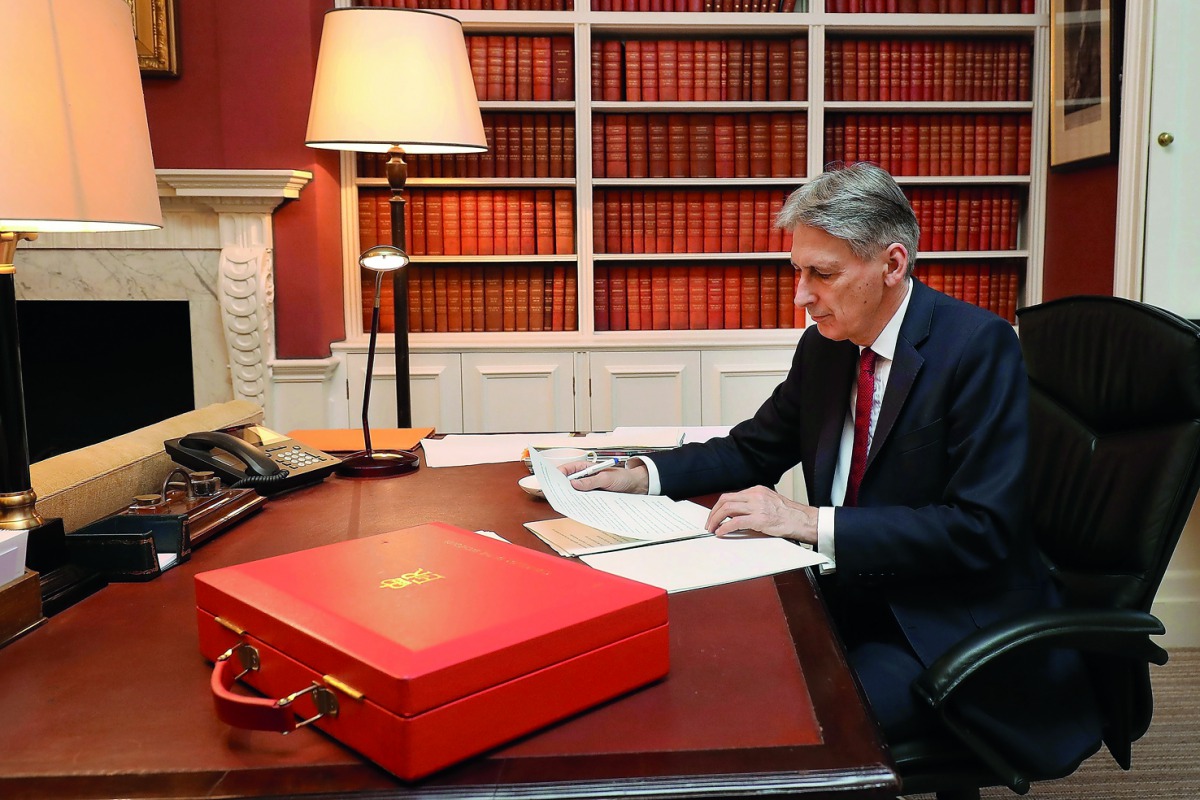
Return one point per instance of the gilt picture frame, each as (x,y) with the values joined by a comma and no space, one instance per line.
(155,33)
(1083,83)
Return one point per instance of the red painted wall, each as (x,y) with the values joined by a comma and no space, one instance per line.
(1081,232)
(241,102)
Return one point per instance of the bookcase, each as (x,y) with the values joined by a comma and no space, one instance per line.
(611,259)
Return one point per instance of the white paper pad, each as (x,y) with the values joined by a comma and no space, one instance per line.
(706,561)
(651,518)
(12,555)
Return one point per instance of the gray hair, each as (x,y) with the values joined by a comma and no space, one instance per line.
(857,203)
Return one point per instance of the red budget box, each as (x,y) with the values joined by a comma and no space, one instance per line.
(424,646)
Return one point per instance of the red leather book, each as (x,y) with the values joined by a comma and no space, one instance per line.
(494,86)
(988,202)
(649,67)
(786,311)
(477,53)
(508,297)
(637,137)
(668,71)
(733,70)
(633,71)
(428,290)
(779,153)
(452,223)
(660,298)
(618,308)
(562,64)
(723,146)
(454,297)
(616,145)
(728,242)
(624,220)
(567,127)
(543,71)
(697,280)
(478,299)
(679,297)
(368,232)
(678,146)
(703,152)
(776,198)
(633,298)
(768,296)
(732,297)
(714,281)
(600,295)
(537,297)
(760,145)
(685,71)
(468,215)
(451,643)
(758,70)
(564,222)
(558,295)
(995,157)
(714,79)
(657,150)
(750,297)
(434,238)
(527,240)
(939,211)
(834,88)
(610,70)
(554,129)
(700,72)
(798,68)
(525,68)
(521,297)
(974,201)
(544,221)
(695,221)
(799,144)
(664,220)
(383,218)
(513,59)
(762,221)
(679,221)
(541,146)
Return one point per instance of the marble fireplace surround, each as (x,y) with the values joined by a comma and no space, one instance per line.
(214,251)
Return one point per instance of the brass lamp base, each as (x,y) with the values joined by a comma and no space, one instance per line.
(18,511)
(378,464)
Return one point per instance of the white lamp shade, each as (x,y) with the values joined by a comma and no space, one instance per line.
(394,77)
(74,146)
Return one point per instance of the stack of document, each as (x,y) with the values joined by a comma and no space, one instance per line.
(654,539)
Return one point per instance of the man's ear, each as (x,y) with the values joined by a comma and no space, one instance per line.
(895,264)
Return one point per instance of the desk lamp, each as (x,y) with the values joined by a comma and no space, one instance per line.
(75,157)
(395,81)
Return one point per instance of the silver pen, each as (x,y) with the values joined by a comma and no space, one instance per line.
(599,466)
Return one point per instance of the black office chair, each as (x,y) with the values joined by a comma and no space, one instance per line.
(1114,471)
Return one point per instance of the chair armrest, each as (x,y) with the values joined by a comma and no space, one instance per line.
(1121,632)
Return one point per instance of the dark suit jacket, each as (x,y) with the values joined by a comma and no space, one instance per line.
(939,532)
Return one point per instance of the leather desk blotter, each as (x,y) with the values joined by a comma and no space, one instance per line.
(433,642)
(350,440)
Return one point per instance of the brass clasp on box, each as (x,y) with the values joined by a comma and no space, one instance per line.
(323,699)
(246,654)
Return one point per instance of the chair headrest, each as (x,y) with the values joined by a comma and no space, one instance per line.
(1072,348)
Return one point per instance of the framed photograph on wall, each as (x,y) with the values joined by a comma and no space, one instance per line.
(155,35)
(1083,81)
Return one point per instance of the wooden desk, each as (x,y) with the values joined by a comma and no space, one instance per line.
(110,698)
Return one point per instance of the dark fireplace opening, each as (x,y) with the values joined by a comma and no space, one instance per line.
(95,369)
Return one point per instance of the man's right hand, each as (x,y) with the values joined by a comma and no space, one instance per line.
(629,480)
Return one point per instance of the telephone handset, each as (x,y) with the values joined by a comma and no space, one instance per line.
(253,456)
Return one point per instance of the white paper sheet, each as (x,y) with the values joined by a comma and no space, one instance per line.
(457,450)
(706,561)
(639,516)
(12,555)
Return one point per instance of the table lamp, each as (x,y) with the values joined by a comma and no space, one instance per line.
(75,157)
(395,81)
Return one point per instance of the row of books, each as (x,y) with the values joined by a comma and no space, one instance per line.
(932,144)
(966,218)
(712,70)
(475,5)
(519,146)
(695,6)
(771,145)
(688,221)
(453,298)
(522,68)
(471,222)
(707,297)
(945,70)
(989,285)
(930,6)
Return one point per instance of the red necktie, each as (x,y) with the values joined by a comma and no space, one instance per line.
(862,424)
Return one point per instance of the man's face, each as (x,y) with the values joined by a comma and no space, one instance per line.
(847,297)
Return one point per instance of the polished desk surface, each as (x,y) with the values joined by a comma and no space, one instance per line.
(110,698)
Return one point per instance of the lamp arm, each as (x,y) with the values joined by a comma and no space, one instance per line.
(397,175)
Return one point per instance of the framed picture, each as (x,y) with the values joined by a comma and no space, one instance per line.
(154,33)
(1083,81)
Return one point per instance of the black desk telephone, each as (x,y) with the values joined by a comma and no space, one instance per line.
(253,456)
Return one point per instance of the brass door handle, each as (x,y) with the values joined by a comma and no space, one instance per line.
(1165,139)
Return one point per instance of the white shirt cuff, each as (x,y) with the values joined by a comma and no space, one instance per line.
(655,486)
(825,538)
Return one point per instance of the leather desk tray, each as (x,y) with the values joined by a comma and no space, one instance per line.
(423,646)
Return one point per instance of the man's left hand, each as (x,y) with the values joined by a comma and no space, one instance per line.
(764,511)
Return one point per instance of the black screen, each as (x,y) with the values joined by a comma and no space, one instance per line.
(96,369)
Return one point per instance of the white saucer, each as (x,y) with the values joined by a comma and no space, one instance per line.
(530,486)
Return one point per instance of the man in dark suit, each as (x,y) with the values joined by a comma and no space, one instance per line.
(907,411)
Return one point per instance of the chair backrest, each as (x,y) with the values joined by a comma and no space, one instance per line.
(1114,443)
